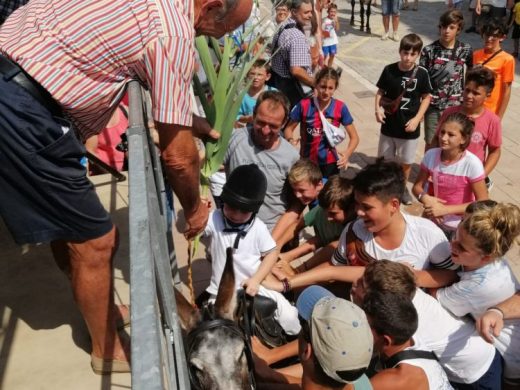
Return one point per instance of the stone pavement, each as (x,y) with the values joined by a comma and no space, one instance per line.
(43,341)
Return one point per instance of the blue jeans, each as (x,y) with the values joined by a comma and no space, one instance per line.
(390,7)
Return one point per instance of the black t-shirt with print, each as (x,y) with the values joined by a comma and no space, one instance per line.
(392,81)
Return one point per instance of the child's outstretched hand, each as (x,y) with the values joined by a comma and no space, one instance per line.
(251,286)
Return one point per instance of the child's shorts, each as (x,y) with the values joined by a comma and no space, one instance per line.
(330,50)
(390,7)
(516,31)
(397,149)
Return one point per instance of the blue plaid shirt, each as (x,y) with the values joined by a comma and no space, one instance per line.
(293,50)
(8,6)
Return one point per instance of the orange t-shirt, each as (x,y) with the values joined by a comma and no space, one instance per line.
(503,64)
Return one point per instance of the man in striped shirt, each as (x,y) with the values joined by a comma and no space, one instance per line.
(64,66)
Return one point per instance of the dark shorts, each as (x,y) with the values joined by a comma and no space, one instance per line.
(45,194)
(491,380)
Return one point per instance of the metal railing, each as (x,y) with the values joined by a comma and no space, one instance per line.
(158,359)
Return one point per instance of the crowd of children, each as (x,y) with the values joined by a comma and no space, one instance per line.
(363,239)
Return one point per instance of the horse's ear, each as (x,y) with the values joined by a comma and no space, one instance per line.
(226,301)
(188,314)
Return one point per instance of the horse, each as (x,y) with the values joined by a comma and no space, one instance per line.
(218,351)
(362,14)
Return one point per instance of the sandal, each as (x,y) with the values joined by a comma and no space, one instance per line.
(123,321)
(107,366)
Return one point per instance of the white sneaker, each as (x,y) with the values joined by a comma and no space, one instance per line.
(384,37)
(395,36)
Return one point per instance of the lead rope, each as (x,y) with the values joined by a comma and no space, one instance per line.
(190,273)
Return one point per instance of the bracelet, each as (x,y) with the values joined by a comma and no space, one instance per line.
(286,285)
(496,310)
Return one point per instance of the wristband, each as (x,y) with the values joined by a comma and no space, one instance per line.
(286,285)
(496,310)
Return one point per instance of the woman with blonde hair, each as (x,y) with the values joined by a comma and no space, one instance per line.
(479,246)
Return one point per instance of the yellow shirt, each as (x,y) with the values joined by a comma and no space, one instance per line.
(516,10)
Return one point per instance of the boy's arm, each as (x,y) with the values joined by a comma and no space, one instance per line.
(412,124)
(492,159)
(308,246)
(418,187)
(505,100)
(265,268)
(435,278)
(327,272)
(380,113)
(493,320)
(288,219)
(288,233)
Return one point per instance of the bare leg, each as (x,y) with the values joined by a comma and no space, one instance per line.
(331,61)
(386,22)
(407,168)
(89,267)
(395,22)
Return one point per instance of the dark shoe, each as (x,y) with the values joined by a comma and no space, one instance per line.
(489,183)
(406,198)
(472,29)
(339,71)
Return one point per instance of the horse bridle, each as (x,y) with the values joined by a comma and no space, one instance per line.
(245,334)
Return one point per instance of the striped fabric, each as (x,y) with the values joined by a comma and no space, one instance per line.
(313,142)
(8,6)
(84,52)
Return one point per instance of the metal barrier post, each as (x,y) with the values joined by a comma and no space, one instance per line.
(158,359)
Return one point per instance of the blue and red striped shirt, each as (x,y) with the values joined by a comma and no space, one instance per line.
(313,143)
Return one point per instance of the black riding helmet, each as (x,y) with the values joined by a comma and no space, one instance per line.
(245,188)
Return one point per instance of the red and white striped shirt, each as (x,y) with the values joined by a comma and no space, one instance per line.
(84,52)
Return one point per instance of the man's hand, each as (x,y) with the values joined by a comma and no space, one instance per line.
(202,129)
(490,321)
(196,221)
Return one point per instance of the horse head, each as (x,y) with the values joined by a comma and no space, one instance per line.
(218,354)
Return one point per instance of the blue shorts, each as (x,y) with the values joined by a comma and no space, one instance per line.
(330,50)
(390,7)
(491,380)
(45,194)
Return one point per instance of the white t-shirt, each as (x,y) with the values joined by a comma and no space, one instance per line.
(477,291)
(424,245)
(328,25)
(463,354)
(437,379)
(246,259)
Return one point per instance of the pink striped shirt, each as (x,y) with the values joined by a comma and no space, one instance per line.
(84,52)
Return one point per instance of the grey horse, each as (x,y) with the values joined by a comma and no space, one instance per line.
(217,351)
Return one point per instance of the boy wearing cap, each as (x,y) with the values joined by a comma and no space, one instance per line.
(394,321)
(237,226)
(335,344)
